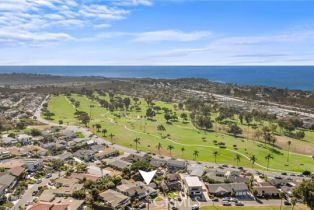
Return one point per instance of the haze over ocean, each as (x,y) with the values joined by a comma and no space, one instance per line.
(291,77)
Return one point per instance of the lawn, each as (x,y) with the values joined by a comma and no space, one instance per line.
(300,207)
(132,124)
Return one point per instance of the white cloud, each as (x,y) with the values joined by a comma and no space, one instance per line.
(101,26)
(171,35)
(51,17)
(133,2)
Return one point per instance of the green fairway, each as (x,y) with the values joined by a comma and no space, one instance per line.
(128,125)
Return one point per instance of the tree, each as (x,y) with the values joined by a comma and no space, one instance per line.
(289,145)
(159,146)
(258,134)
(150,113)
(170,148)
(161,128)
(167,117)
(60,122)
(137,141)
(98,127)
(79,194)
(195,154)
(104,131)
(234,129)
(184,116)
(253,160)
(126,102)
(182,151)
(111,137)
(293,202)
(215,153)
(282,196)
(141,165)
(238,159)
(268,158)
(305,192)
(77,104)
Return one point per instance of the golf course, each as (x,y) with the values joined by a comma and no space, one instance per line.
(179,139)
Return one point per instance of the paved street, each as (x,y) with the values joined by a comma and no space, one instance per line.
(27,196)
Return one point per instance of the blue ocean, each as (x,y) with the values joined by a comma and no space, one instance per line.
(291,77)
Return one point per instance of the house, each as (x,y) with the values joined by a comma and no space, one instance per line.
(85,155)
(82,176)
(97,171)
(66,156)
(9,141)
(157,163)
(224,189)
(48,206)
(73,204)
(24,139)
(194,187)
(173,182)
(134,158)
(106,153)
(114,199)
(4,153)
(266,190)
(176,165)
(47,196)
(195,170)
(136,190)
(7,180)
(216,176)
(119,164)
(33,164)
(17,171)
(66,182)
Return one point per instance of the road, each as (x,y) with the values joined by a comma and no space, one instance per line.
(27,195)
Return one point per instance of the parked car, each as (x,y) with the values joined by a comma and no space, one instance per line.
(233,200)
(34,193)
(215,199)
(287,203)
(48,176)
(39,181)
(226,199)
(239,203)
(195,207)
(226,203)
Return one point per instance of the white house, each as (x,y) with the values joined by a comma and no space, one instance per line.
(194,186)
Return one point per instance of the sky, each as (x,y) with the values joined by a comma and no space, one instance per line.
(156,32)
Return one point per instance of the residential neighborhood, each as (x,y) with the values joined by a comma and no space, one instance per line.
(70,168)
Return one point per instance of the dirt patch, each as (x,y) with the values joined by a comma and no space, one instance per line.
(297,146)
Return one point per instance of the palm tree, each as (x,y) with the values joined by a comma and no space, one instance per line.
(137,141)
(281,195)
(253,160)
(268,157)
(159,146)
(195,154)
(215,153)
(293,202)
(170,148)
(161,128)
(104,131)
(289,144)
(237,158)
(182,150)
(111,137)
